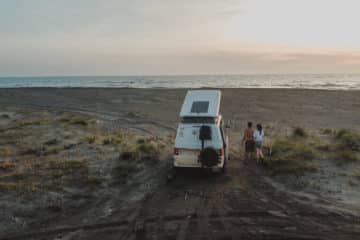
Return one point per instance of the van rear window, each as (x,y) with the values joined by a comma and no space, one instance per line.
(198,120)
(200,107)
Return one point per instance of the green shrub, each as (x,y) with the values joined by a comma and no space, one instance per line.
(52,150)
(140,152)
(127,154)
(33,151)
(148,151)
(348,140)
(348,156)
(75,120)
(51,142)
(299,132)
(79,121)
(90,139)
(132,114)
(107,141)
(325,147)
(327,131)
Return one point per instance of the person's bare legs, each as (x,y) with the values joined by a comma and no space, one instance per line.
(261,154)
(257,154)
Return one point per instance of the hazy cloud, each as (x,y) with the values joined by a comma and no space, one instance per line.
(41,37)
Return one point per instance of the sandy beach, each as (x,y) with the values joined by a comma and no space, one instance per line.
(308,108)
(78,163)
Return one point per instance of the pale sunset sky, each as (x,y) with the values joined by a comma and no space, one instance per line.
(152,37)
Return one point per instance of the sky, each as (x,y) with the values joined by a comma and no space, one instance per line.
(159,37)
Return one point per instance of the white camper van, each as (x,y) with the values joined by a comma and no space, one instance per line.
(200,140)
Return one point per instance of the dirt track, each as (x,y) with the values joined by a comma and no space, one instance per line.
(194,205)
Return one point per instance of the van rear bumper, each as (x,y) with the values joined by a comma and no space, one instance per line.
(191,161)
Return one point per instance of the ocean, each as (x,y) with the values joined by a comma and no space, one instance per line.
(302,81)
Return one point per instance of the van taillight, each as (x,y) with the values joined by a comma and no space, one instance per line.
(176,151)
(221,152)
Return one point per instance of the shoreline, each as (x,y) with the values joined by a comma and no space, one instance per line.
(202,88)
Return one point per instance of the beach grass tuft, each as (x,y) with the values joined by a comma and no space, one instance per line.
(291,155)
(90,139)
(348,139)
(347,155)
(299,132)
(327,131)
(6,165)
(356,173)
(347,145)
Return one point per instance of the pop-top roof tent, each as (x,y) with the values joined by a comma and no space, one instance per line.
(201,103)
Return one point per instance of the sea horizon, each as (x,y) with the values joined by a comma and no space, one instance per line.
(327,81)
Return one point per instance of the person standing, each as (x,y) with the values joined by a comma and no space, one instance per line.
(258,138)
(248,140)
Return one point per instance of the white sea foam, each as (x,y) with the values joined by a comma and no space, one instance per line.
(303,81)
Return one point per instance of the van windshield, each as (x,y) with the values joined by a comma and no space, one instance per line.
(198,120)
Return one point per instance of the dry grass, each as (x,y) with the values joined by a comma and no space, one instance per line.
(92,180)
(53,141)
(142,150)
(90,139)
(6,152)
(19,123)
(18,187)
(291,155)
(47,160)
(132,114)
(76,120)
(135,154)
(356,173)
(112,139)
(327,131)
(52,150)
(286,148)
(35,150)
(324,147)
(66,164)
(348,156)
(6,165)
(294,154)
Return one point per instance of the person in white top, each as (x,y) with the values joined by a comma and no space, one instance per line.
(258,138)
